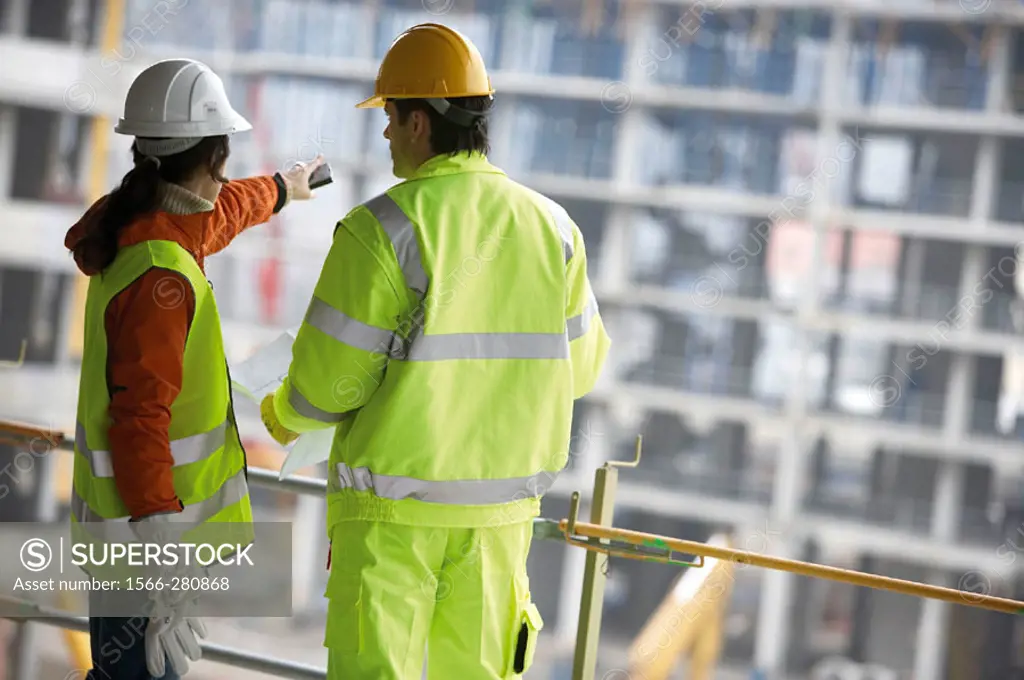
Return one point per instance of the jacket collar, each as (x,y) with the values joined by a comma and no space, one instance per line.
(464,161)
(178,200)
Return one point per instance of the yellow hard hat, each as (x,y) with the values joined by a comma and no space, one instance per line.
(430,61)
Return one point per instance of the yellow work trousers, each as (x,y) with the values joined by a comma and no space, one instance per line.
(458,598)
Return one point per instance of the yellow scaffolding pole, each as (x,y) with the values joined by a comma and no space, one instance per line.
(623,540)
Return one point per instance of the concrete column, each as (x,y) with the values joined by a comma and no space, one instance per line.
(803,616)
(66,296)
(983,189)
(835,342)
(616,251)
(618,100)
(8,121)
(14,20)
(959,399)
(959,395)
(930,657)
(626,153)
(933,626)
(975,274)
(862,620)
(772,622)
(998,98)
(818,467)
(642,24)
(913,273)
(949,488)
(745,346)
(986,163)
(773,630)
(307,538)
(728,441)
(501,129)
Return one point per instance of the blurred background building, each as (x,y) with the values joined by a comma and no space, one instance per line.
(803,219)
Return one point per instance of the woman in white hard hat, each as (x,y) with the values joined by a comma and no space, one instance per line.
(156,439)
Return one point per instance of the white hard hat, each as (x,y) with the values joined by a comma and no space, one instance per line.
(181,100)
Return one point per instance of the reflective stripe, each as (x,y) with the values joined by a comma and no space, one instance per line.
(184,451)
(564,224)
(577,326)
(233,491)
(455,492)
(420,347)
(403,238)
(305,409)
(489,346)
(345,329)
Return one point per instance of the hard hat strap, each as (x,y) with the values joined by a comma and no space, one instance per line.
(165,147)
(459,116)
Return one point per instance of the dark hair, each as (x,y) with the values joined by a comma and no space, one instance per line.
(137,195)
(446,136)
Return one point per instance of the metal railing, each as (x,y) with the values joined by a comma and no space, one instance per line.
(211,651)
(598,537)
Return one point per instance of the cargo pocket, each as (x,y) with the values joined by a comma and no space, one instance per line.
(530,625)
(344,630)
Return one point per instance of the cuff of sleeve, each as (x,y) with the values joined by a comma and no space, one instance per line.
(289,418)
(175,511)
(284,192)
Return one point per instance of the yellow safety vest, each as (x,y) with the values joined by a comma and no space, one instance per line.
(209,461)
(451,329)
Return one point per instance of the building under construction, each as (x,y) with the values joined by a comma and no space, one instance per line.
(804,221)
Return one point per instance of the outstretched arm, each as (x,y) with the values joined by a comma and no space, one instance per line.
(245,203)
(242,204)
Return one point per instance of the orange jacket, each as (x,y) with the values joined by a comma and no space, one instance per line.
(146,335)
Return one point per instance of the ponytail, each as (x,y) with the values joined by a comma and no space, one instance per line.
(138,194)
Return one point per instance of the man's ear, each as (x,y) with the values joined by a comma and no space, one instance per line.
(420,124)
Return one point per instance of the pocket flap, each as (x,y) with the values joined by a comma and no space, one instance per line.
(533,617)
(345,588)
(343,633)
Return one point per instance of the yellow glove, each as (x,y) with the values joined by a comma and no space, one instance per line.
(280,434)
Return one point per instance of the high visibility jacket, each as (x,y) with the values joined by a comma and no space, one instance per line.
(209,461)
(451,329)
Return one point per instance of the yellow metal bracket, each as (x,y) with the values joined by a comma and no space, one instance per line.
(653,551)
(20,360)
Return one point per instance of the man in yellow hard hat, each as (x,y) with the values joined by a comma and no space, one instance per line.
(451,330)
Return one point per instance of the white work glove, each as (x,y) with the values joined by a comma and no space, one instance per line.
(171,633)
(173,637)
(161,579)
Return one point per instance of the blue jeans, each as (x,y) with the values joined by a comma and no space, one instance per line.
(119,649)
